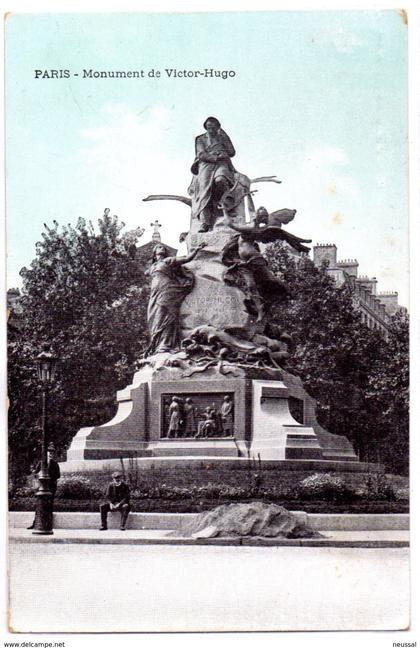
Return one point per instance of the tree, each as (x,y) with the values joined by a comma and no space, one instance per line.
(85,295)
(388,394)
(348,368)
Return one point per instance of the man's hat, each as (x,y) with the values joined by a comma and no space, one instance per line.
(116,474)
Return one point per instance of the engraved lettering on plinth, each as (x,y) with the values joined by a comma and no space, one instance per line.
(214,303)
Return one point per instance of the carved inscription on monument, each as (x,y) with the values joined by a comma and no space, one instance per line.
(214,303)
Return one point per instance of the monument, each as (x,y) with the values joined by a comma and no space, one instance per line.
(214,380)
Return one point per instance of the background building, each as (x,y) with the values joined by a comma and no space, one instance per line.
(376,308)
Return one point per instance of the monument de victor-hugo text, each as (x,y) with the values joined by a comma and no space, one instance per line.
(215,380)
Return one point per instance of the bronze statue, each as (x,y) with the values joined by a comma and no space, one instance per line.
(170,284)
(232,199)
(247,267)
(265,228)
(213,173)
(187,201)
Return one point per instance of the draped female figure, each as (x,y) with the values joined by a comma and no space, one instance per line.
(169,286)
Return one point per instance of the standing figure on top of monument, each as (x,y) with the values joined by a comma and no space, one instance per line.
(170,285)
(213,173)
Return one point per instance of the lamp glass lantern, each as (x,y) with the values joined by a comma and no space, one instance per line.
(46,366)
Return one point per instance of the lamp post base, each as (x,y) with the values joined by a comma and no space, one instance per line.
(44,509)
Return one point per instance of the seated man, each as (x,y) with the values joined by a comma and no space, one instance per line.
(208,427)
(118,496)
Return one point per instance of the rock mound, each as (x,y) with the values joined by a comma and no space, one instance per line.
(250,519)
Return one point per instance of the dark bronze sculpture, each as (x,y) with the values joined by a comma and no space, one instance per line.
(213,173)
(217,190)
(247,268)
(170,284)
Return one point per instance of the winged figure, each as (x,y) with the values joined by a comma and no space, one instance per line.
(264,228)
(247,267)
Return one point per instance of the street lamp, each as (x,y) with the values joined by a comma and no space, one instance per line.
(46,364)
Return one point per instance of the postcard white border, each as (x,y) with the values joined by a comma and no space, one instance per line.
(371,639)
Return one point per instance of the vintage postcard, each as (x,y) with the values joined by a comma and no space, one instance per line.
(208,316)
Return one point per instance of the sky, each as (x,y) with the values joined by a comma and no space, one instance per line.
(318,99)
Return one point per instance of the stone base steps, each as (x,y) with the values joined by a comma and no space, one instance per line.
(195,447)
(146,463)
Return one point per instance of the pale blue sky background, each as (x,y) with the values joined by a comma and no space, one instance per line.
(319,99)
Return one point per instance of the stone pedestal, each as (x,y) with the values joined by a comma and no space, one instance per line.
(276,434)
(274,419)
(124,435)
(217,447)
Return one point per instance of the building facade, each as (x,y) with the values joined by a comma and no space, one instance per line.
(376,309)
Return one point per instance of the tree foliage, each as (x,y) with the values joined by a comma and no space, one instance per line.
(388,395)
(84,294)
(359,379)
